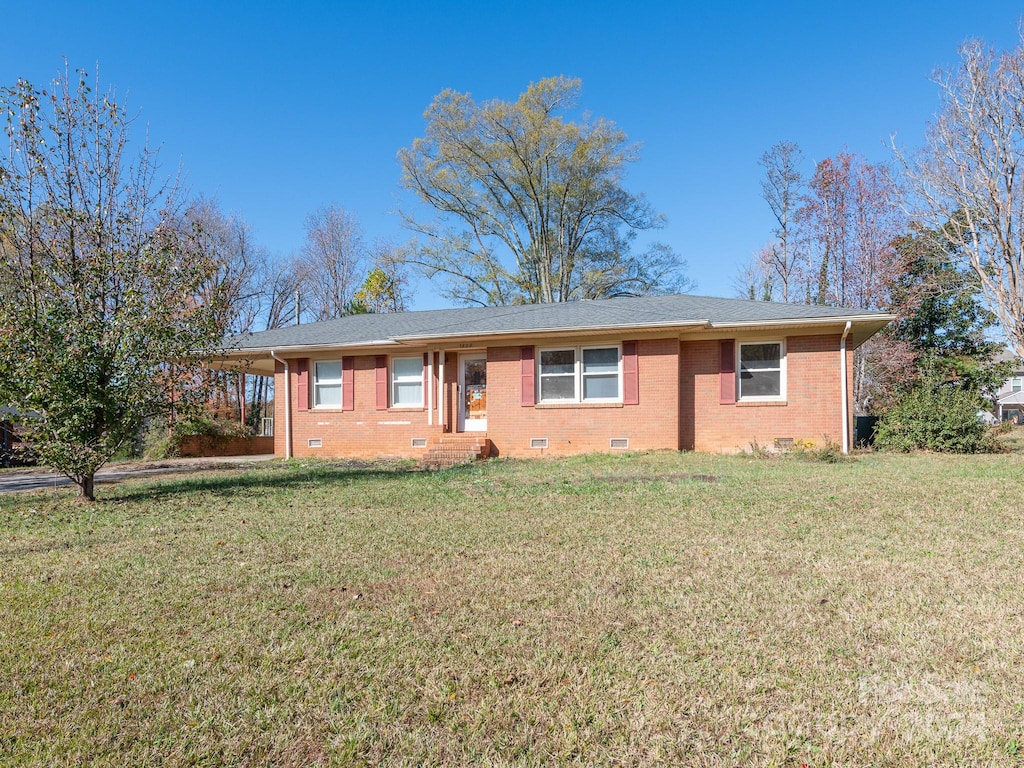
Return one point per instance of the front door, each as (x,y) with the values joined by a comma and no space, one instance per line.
(473,393)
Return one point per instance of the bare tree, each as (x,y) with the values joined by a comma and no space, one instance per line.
(782,189)
(851,217)
(331,265)
(758,280)
(968,179)
(851,214)
(228,242)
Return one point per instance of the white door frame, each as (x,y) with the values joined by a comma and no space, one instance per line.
(466,424)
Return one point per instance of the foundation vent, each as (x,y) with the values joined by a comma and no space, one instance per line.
(619,443)
(419,442)
(538,442)
(315,442)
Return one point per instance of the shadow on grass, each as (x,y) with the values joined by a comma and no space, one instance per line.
(278,477)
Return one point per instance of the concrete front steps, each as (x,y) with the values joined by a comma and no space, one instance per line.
(452,450)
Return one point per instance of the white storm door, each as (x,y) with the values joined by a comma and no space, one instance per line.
(473,393)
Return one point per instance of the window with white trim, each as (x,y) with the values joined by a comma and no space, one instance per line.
(407,382)
(579,374)
(327,384)
(1017,383)
(762,370)
(557,375)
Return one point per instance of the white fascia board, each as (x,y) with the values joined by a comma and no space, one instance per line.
(245,351)
(836,320)
(559,330)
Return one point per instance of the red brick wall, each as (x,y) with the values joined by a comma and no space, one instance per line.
(678,407)
(363,432)
(209,445)
(812,410)
(582,428)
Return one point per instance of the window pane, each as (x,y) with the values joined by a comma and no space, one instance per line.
(328,371)
(407,368)
(601,360)
(558,388)
(760,383)
(408,393)
(760,355)
(603,386)
(328,394)
(558,361)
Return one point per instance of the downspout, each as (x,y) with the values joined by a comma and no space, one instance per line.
(846,389)
(287,405)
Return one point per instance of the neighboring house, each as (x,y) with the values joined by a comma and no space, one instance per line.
(1010,396)
(660,372)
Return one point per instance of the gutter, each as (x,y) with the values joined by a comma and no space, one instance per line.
(846,390)
(848,319)
(287,405)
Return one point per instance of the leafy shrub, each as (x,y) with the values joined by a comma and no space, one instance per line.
(161,443)
(936,417)
(207,427)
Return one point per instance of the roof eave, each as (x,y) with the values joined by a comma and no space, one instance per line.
(551,331)
(241,352)
(863,326)
(880,317)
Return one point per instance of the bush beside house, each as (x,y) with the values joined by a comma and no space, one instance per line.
(936,417)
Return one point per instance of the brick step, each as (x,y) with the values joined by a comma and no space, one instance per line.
(453,450)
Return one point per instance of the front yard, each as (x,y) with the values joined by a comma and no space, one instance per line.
(634,610)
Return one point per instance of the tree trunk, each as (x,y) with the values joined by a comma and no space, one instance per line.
(86,485)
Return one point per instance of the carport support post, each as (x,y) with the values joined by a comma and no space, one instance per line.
(287,405)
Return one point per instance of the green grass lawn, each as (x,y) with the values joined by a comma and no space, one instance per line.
(630,610)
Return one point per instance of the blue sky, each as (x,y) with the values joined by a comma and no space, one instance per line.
(277,108)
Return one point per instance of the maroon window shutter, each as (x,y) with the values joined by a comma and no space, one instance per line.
(348,383)
(630,374)
(302,383)
(727,371)
(529,393)
(381,371)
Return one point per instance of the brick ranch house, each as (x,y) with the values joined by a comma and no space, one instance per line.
(663,372)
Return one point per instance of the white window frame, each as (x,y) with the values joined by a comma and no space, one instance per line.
(577,374)
(394,381)
(319,383)
(740,397)
(1017,383)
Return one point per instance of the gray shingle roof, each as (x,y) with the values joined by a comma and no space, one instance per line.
(611,314)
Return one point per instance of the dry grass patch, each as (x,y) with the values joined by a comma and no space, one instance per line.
(632,610)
